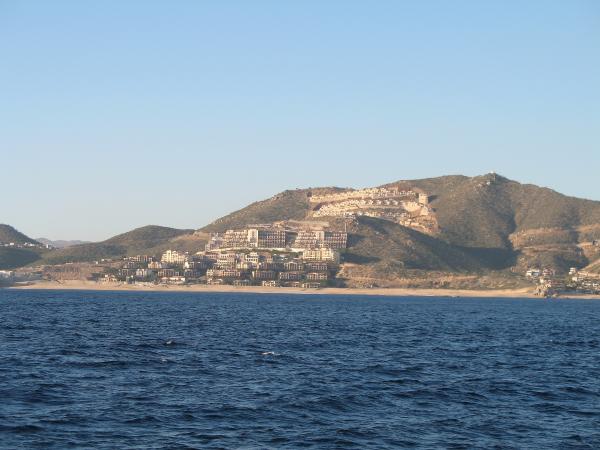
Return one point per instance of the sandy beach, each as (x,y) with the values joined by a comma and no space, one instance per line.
(390,292)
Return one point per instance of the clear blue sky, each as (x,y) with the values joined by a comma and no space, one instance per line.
(118,114)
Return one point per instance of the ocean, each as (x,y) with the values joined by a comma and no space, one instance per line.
(138,370)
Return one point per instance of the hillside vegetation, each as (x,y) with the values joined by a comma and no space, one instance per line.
(10,234)
(13,258)
(288,205)
(150,240)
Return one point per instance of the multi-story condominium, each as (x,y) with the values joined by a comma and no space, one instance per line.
(174,257)
(252,258)
(242,265)
(223,273)
(273,238)
(227,260)
(308,239)
(266,265)
(335,239)
(321,254)
(141,259)
(191,273)
(293,266)
(250,238)
(290,276)
(197,265)
(316,276)
(264,275)
(208,256)
(155,265)
(173,280)
(235,239)
(162,273)
(126,273)
(317,266)
(144,274)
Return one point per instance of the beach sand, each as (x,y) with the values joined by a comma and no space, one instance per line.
(392,292)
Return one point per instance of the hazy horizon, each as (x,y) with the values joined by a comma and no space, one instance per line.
(123,114)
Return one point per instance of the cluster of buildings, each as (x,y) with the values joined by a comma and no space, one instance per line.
(536,273)
(263,255)
(310,269)
(585,282)
(550,284)
(409,208)
(277,237)
(24,245)
(6,275)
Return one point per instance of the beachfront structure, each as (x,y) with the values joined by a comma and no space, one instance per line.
(316,276)
(144,274)
(166,273)
(290,276)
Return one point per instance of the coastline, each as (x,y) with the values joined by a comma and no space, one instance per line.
(198,288)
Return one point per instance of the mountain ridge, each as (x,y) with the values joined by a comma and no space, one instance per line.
(485,223)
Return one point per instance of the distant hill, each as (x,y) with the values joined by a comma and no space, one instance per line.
(151,240)
(22,253)
(60,243)
(9,234)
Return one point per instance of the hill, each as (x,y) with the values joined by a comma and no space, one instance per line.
(453,225)
(537,226)
(13,258)
(17,249)
(485,223)
(60,243)
(9,234)
(151,240)
(287,205)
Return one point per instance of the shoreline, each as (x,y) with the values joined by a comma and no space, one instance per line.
(385,292)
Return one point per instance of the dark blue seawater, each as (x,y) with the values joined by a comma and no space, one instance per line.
(120,370)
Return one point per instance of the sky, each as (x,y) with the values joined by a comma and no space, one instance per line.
(119,114)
